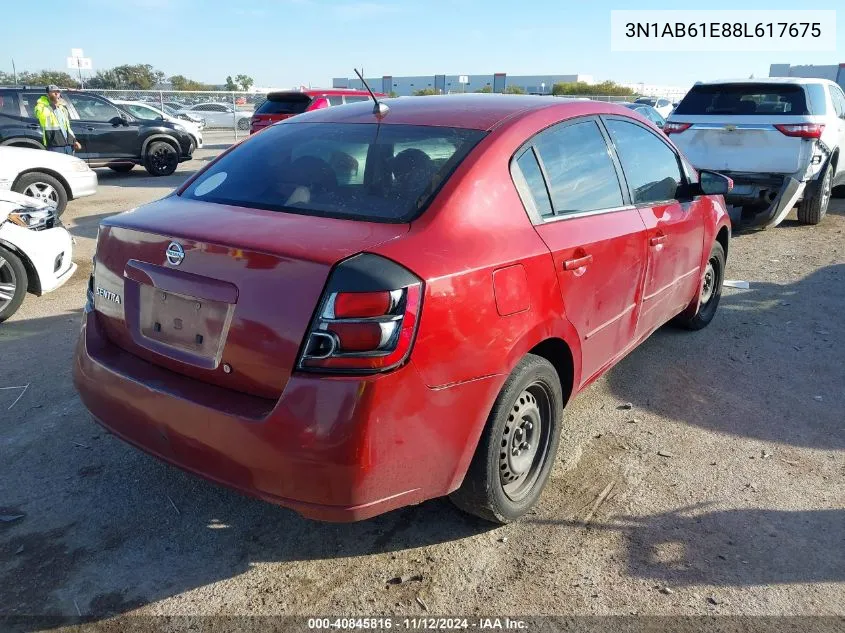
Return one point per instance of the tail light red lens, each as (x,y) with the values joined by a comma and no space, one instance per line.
(358,329)
(675,128)
(318,103)
(801,130)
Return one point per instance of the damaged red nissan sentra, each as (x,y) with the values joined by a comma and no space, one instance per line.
(363,308)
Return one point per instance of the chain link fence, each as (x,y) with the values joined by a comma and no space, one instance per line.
(220,110)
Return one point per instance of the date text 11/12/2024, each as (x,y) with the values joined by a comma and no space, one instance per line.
(419,623)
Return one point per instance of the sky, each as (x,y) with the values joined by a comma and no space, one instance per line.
(286,43)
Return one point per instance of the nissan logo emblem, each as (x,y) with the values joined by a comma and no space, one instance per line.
(175,253)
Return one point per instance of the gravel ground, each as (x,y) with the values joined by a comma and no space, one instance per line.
(727,477)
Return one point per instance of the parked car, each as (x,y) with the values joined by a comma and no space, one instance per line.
(47,176)
(219,115)
(285,104)
(661,104)
(35,250)
(109,136)
(648,112)
(149,112)
(461,267)
(780,140)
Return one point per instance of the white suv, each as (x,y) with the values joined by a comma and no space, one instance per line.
(779,139)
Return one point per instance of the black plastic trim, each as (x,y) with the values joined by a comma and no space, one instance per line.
(370,273)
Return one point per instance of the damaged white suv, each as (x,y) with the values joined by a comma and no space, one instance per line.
(779,139)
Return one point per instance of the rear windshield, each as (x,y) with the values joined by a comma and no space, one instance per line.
(292,104)
(646,101)
(380,173)
(745,99)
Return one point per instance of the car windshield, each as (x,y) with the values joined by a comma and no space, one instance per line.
(745,99)
(381,173)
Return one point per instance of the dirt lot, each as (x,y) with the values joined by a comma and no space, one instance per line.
(728,477)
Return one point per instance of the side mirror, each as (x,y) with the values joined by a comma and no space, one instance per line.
(118,120)
(712,183)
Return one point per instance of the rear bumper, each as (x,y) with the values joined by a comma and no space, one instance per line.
(772,196)
(335,449)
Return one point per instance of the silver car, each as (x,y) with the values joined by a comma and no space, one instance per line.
(220,115)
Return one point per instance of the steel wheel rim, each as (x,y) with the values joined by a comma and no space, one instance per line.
(8,284)
(524,444)
(162,158)
(708,286)
(44,192)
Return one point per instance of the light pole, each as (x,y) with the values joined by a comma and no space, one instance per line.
(543,88)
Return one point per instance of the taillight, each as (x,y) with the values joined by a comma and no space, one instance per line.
(675,128)
(801,130)
(367,319)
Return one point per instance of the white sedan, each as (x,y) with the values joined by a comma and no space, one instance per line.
(220,115)
(48,176)
(149,112)
(36,252)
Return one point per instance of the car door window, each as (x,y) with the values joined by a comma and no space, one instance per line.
(9,103)
(92,109)
(838,101)
(579,169)
(335,101)
(142,112)
(534,185)
(650,166)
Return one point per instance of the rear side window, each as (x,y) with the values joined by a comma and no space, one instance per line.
(838,101)
(356,99)
(650,167)
(534,183)
(335,101)
(9,103)
(293,104)
(384,173)
(580,172)
(746,99)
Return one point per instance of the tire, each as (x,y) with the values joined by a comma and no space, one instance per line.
(243,124)
(161,158)
(43,187)
(13,283)
(122,168)
(812,209)
(710,293)
(530,396)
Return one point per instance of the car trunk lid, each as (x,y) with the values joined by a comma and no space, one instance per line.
(176,284)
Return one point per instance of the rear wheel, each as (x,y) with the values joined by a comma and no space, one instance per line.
(710,292)
(43,187)
(517,449)
(243,124)
(161,158)
(13,283)
(122,168)
(813,208)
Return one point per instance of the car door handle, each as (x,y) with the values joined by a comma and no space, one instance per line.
(578,262)
(657,240)
(32,126)
(90,129)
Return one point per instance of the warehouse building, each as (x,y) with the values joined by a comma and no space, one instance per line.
(446,84)
(834,72)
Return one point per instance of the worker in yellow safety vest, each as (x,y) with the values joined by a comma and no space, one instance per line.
(55,122)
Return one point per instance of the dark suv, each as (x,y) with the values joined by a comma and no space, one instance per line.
(110,136)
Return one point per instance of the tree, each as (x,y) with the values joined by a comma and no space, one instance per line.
(392,94)
(104,80)
(514,90)
(485,89)
(425,92)
(244,81)
(231,85)
(583,88)
(180,82)
(46,77)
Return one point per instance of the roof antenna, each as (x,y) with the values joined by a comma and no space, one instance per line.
(379,109)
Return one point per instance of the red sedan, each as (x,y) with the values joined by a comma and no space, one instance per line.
(287,103)
(361,309)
